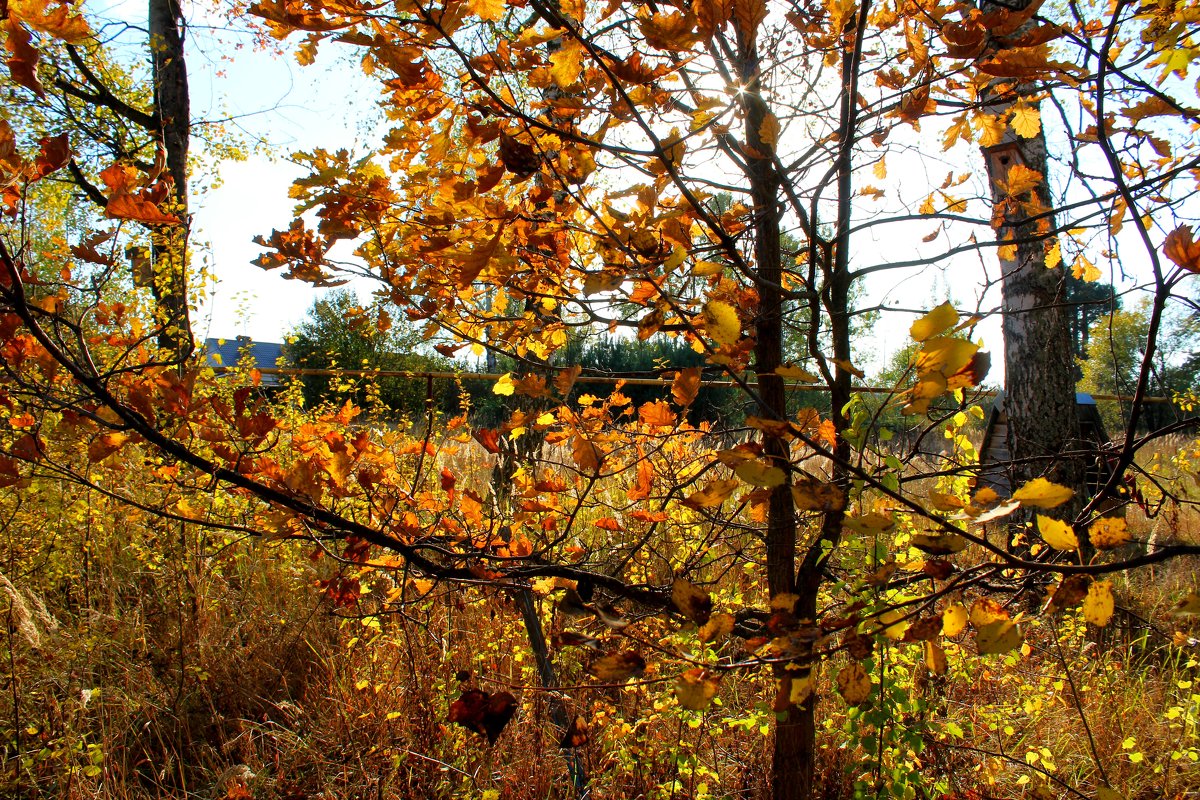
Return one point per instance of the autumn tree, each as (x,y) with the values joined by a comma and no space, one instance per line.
(129,151)
(550,169)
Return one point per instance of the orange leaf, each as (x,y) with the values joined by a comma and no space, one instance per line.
(749,14)
(644,483)
(473,263)
(1180,248)
(712,495)
(56,152)
(686,386)
(669,31)
(489,438)
(586,456)
(22,64)
(483,713)
(52,18)
(618,667)
(566,379)
(657,414)
(139,209)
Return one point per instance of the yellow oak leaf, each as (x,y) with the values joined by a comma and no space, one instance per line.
(1085,270)
(566,63)
(488,10)
(1026,120)
(1022,179)
(991,130)
(1053,256)
(768,132)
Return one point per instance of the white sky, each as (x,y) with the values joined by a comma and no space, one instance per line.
(286,107)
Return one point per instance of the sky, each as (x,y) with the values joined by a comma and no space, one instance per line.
(279,107)
(287,108)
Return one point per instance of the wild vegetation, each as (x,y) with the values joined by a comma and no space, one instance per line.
(212,590)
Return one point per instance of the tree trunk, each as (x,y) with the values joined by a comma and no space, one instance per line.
(792,758)
(1039,394)
(172,111)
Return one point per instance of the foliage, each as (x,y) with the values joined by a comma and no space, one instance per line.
(1116,350)
(549,173)
(339,333)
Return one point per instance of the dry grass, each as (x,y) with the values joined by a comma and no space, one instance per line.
(149,660)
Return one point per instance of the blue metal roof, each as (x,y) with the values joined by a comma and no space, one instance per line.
(231,352)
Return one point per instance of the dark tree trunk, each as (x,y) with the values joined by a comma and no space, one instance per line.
(172,114)
(792,757)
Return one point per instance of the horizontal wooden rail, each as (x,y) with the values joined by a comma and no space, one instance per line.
(664,382)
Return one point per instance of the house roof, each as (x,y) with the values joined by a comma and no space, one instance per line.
(231,352)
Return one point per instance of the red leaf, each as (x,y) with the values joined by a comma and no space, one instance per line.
(22,64)
(56,152)
(576,735)
(518,158)
(489,438)
(483,713)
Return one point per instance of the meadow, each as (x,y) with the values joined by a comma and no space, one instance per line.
(148,654)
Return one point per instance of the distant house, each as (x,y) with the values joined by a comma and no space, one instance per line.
(262,355)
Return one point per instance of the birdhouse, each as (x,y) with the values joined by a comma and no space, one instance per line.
(1002,158)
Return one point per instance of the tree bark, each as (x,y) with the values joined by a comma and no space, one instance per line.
(792,756)
(172,112)
(1039,395)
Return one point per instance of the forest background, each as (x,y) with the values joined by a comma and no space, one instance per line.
(670,547)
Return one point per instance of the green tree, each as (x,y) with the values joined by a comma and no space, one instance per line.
(338,333)
(1116,350)
(1088,301)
